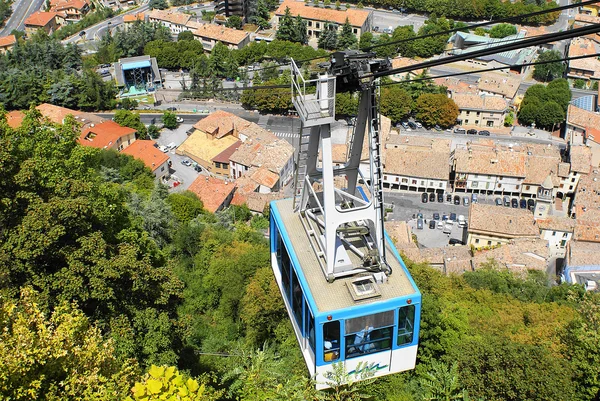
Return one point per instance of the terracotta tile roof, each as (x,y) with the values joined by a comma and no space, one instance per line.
(439,256)
(466,101)
(501,84)
(538,166)
(172,17)
(147,152)
(9,40)
(583,254)
(588,231)
(221,34)
(489,162)
(274,155)
(104,135)
(582,118)
(133,17)
(61,5)
(265,177)
(213,192)
(356,17)
(423,143)
(40,18)
(587,207)
(244,187)
(400,62)
(564,169)
(587,18)
(501,221)
(556,223)
(193,25)
(582,46)
(221,123)
(224,156)
(57,115)
(14,118)
(417,163)
(455,85)
(399,232)
(519,255)
(581,159)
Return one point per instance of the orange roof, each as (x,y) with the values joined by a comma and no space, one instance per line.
(221,123)
(147,152)
(57,114)
(40,18)
(14,119)
(66,4)
(170,16)
(224,156)
(265,177)
(356,18)
(133,17)
(221,34)
(213,192)
(104,135)
(6,41)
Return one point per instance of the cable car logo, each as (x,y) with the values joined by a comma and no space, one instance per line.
(368,368)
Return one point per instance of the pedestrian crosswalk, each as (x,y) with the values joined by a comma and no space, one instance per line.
(287,134)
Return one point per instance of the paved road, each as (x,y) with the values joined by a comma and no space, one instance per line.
(21,10)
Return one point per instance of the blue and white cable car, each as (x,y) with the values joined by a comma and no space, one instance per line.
(349,296)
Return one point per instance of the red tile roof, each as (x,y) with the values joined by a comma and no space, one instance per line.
(133,17)
(6,41)
(213,192)
(14,119)
(104,135)
(66,4)
(147,152)
(40,18)
(355,17)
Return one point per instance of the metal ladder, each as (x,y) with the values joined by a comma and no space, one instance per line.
(377,172)
(299,177)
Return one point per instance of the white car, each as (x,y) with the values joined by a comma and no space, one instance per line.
(179,119)
(163,149)
(171,146)
(418,124)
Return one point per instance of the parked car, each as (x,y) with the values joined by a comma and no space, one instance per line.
(461,131)
(432,197)
(424,197)
(104,65)
(163,149)
(449,198)
(466,201)
(507,201)
(455,241)
(452,216)
(432,224)
(457,200)
(198,168)
(447,228)
(498,201)
(412,125)
(440,225)
(445,217)
(514,202)
(440,198)
(484,132)
(405,125)
(530,204)
(462,221)
(437,128)
(420,224)
(474,198)
(375,29)
(172,108)
(436,216)
(179,119)
(186,162)
(419,215)
(523,204)
(472,132)
(171,146)
(418,124)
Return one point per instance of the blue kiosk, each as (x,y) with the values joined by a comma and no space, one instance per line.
(349,296)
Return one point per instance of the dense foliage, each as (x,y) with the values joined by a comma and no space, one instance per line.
(43,70)
(545,106)
(549,71)
(88,20)
(5,11)
(105,274)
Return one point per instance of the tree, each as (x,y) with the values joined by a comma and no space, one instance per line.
(329,37)
(550,114)
(58,357)
(169,120)
(234,21)
(395,103)
(441,383)
(346,104)
(262,16)
(479,31)
(158,4)
(128,104)
(347,39)
(579,83)
(286,30)
(185,206)
(549,71)
(502,30)
(300,30)
(437,109)
(153,131)
(129,119)
(366,41)
(185,35)
(528,113)
(560,92)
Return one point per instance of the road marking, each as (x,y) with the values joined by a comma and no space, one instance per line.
(286,134)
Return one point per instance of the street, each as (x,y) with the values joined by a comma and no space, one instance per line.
(21,10)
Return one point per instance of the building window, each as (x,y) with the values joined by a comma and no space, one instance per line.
(246,167)
(317,25)
(476,122)
(477,241)
(571,188)
(466,122)
(405,180)
(422,182)
(217,165)
(490,124)
(474,184)
(162,168)
(478,113)
(527,187)
(553,233)
(355,31)
(368,334)
(331,341)
(489,243)
(397,179)
(468,112)
(309,23)
(414,182)
(385,177)
(565,235)
(441,184)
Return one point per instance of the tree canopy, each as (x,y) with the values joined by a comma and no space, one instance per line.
(551,71)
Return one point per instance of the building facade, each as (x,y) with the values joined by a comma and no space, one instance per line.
(481,110)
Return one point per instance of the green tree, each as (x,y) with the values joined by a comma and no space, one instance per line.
(262,16)
(286,29)
(235,22)
(559,92)
(366,41)
(153,131)
(549,71)
(528,113)
(185,206)
(328,39)
(437,109)
(347,39)
(549,115)
(338,5)
(480,31)
(158,4)
(395,103)
(128,104)
(441,383)
(301,30)
(185,35)
(58,357)
(502,30)
(346,104)
(169,120)
(130,119)
(579,83)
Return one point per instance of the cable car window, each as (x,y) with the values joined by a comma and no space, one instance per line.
(285,270)
(309,325)
(297,299)
(406,322)
(331,341)
(368,334)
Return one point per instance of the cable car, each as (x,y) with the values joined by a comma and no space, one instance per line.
(347,291)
